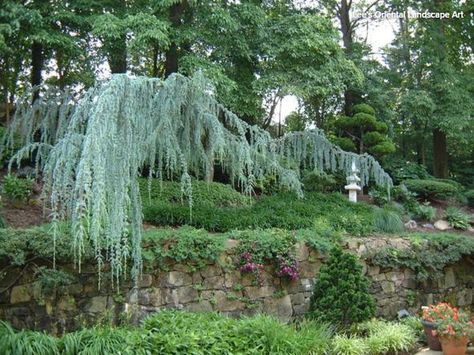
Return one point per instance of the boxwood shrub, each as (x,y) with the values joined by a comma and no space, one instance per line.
(429,189)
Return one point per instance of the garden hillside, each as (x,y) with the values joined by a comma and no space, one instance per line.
(236,177)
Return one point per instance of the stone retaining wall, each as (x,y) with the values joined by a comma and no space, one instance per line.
(220,287)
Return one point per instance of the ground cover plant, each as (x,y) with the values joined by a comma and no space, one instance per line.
(281,210)
(429,254)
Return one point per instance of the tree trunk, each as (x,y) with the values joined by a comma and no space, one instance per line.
(155,62)
(347,40)
(117,57)
(37,62)
(172,54)
(440,154)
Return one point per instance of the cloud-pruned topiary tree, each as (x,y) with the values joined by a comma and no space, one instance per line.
(92,156)
(363,132)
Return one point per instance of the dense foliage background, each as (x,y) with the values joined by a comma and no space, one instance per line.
(410,103)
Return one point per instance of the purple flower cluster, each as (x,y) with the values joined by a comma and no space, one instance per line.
(288,267)
(247,265)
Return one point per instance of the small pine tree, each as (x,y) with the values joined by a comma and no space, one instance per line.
(341,293)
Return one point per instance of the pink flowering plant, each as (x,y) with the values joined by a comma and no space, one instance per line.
(248,265)
(272,247)
(287,266)
(450,321)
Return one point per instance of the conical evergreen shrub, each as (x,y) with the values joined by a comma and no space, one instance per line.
(341,293)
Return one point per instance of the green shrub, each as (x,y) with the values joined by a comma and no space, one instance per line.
(424,212)
(203,193)
(406,170)
(363,108)
(380,195)
(341,293)
(470,198)
(18,245)
(457,218)
(431,189)
(387,220)
(317,181)
(16,188)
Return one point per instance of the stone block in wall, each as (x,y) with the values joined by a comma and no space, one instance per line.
(309,269)
(300,309)
(373,270)
(145,281)
(210,271)
(201,306)
(232,278)
(388,286)
(464,297)
(301,251)
(394,276)
(21,294)
(378,277)
(187,294)
(96,304)
(300,285)
(214,283)
(226,302)
(181,267)
(196,278)
(144,297)
(449,278)
(254,292)
(178,278)
(73,290)
(66,304)
(155,297)
(279,307)
(410,283)
(248,279)
(297,298)
(170,297)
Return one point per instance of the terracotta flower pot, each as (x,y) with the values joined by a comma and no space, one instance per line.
(454,346)
(433,341)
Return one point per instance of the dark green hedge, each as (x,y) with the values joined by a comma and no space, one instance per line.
(432,188)
(283,210)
